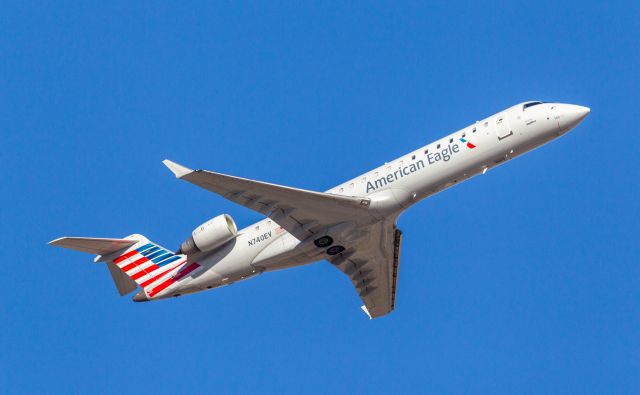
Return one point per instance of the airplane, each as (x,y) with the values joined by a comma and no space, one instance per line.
(353,225)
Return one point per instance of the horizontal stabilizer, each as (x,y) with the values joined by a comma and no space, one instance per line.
(93,245)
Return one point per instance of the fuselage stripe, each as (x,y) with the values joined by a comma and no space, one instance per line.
(158,276)
(153,279)
(186,271)
(161,286)
(176,278)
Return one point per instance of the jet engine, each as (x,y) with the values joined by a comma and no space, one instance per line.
(210,235)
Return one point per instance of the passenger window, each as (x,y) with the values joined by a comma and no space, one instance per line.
(426,151)
(450,141)
(474,130)
(438,146)
(486,124)
(463,135)
(413,157)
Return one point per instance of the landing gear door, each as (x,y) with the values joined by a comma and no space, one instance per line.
(503,129)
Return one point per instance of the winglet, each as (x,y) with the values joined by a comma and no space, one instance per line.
(177,169)
(366,310)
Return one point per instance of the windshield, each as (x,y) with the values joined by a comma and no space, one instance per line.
(530,104)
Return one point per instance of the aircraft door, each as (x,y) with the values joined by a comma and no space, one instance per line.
(503,129)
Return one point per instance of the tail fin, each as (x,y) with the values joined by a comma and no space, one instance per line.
(132,261)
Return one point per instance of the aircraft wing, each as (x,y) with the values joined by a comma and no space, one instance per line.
(371,261)
(372,264)
(301,212)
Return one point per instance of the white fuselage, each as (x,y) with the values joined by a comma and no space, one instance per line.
(392,188)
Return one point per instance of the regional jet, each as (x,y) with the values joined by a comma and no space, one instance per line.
(352,226)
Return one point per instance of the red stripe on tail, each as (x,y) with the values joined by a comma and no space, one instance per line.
(155,278)
(170,281)
(134,264)
(125,256)
(161,286)
(145,271)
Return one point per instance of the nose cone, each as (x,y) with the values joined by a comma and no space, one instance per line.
(572,115)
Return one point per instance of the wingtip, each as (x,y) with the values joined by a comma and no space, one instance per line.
(176,168)
(366,311)
(55,241)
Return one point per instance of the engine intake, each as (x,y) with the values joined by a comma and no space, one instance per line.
(210,235)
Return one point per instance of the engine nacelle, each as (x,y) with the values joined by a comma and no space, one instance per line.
(210,235)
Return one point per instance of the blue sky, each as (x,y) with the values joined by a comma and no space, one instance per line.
(524,280)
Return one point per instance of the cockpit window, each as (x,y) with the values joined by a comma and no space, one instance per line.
(530,104)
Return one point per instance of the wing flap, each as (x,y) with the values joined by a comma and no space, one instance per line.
(372,265)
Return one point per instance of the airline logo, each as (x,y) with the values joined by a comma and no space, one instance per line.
(154,268)
(444,155)
(469,144)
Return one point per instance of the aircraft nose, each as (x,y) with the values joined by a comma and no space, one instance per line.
(572,115)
